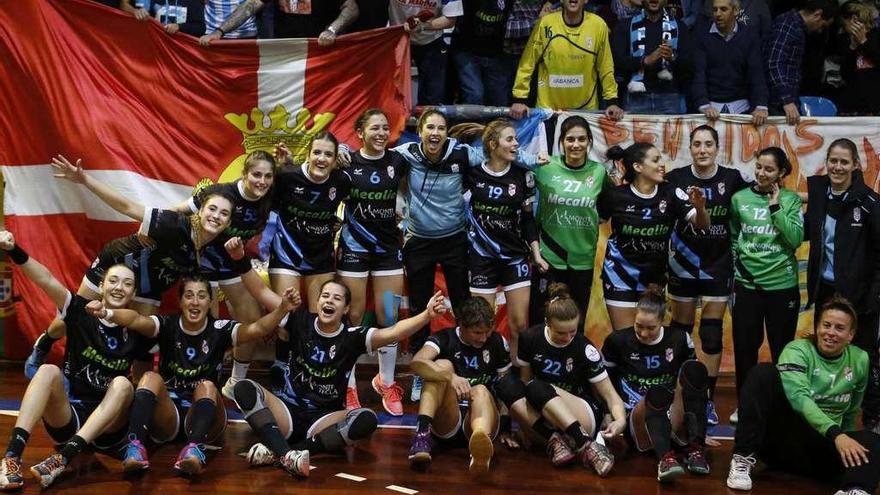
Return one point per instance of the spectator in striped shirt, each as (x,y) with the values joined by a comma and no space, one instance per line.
(785,53)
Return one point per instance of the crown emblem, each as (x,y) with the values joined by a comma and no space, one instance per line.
(262,131)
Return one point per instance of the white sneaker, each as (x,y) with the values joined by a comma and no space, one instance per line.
(260,455)
(739,477)
(734,417)
(852,491)
(296,462)
(228,388)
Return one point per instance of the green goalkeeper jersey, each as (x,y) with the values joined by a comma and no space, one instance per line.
(567,217)
(765,239)
(825,391)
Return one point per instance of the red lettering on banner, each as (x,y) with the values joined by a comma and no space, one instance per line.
(792,180)
(672,134)
(813,141)
(770,137)
(643,131)
(750,142)
(614,134)
(728,143)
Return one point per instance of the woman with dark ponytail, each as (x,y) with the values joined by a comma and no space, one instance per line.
(766,228)
(562,378)
(663,386)
(642,213)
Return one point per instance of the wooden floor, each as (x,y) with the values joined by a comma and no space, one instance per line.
(382,462)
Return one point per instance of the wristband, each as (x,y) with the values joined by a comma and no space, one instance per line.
(505,425)
(242,266)
(18,256)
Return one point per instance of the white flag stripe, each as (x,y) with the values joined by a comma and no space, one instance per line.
(281,78)
(32,190)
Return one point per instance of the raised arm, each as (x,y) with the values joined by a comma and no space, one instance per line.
(290,300)
(127,318)
(34,270)
(63,169)
(409,326)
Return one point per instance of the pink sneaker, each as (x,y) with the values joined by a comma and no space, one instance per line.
(392,396)
(351,399)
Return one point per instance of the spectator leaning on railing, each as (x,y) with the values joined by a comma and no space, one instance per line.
(728,70)
(571,53)
(186,16)
(784,54)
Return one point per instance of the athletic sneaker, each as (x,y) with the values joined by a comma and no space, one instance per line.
(36,359)
(392,396)
(668,468)
(598,457)
(696,461)
(135,457)
(480,447)
(10,473)
(260,455)
(191,460)
(415,394)
(351,398)
(734,417)
(852,491)
(711,414)
(51,468)
(228,388)
(296,462)
(559,450)
(420,450)
(739,477)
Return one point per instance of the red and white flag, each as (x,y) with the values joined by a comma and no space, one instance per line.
(152,113)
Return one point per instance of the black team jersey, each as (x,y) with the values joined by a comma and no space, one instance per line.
(705,254)
(370,210)
(318,364)
(641,226)
(635,366)
(495,211)
(479,365)
(97,350)
(187,358)
(307,211)
(248,217)
(570,368)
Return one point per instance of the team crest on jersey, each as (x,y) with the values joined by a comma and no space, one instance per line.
(511,189)
(332,193)
(721,188)
(486,356)
(848,374)
(857,215)
(218,324)
(669,354)
(590,181)
(500,4)
(454,168)
(662,206)
(569,364)
(332,351)
(390,171)
(593,354)
(205,347)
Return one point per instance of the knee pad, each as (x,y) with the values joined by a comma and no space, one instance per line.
(248,397)
(658,399)
(539,393)
(510,389)
(711,335)
(693,377)
(682,326)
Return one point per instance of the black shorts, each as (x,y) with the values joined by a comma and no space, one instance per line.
(488,273)
(182,405)
(217,267)
(625,293)
(302,420)
(152,281)
(80,411)
(688,290)
(357,264)
(286,262)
